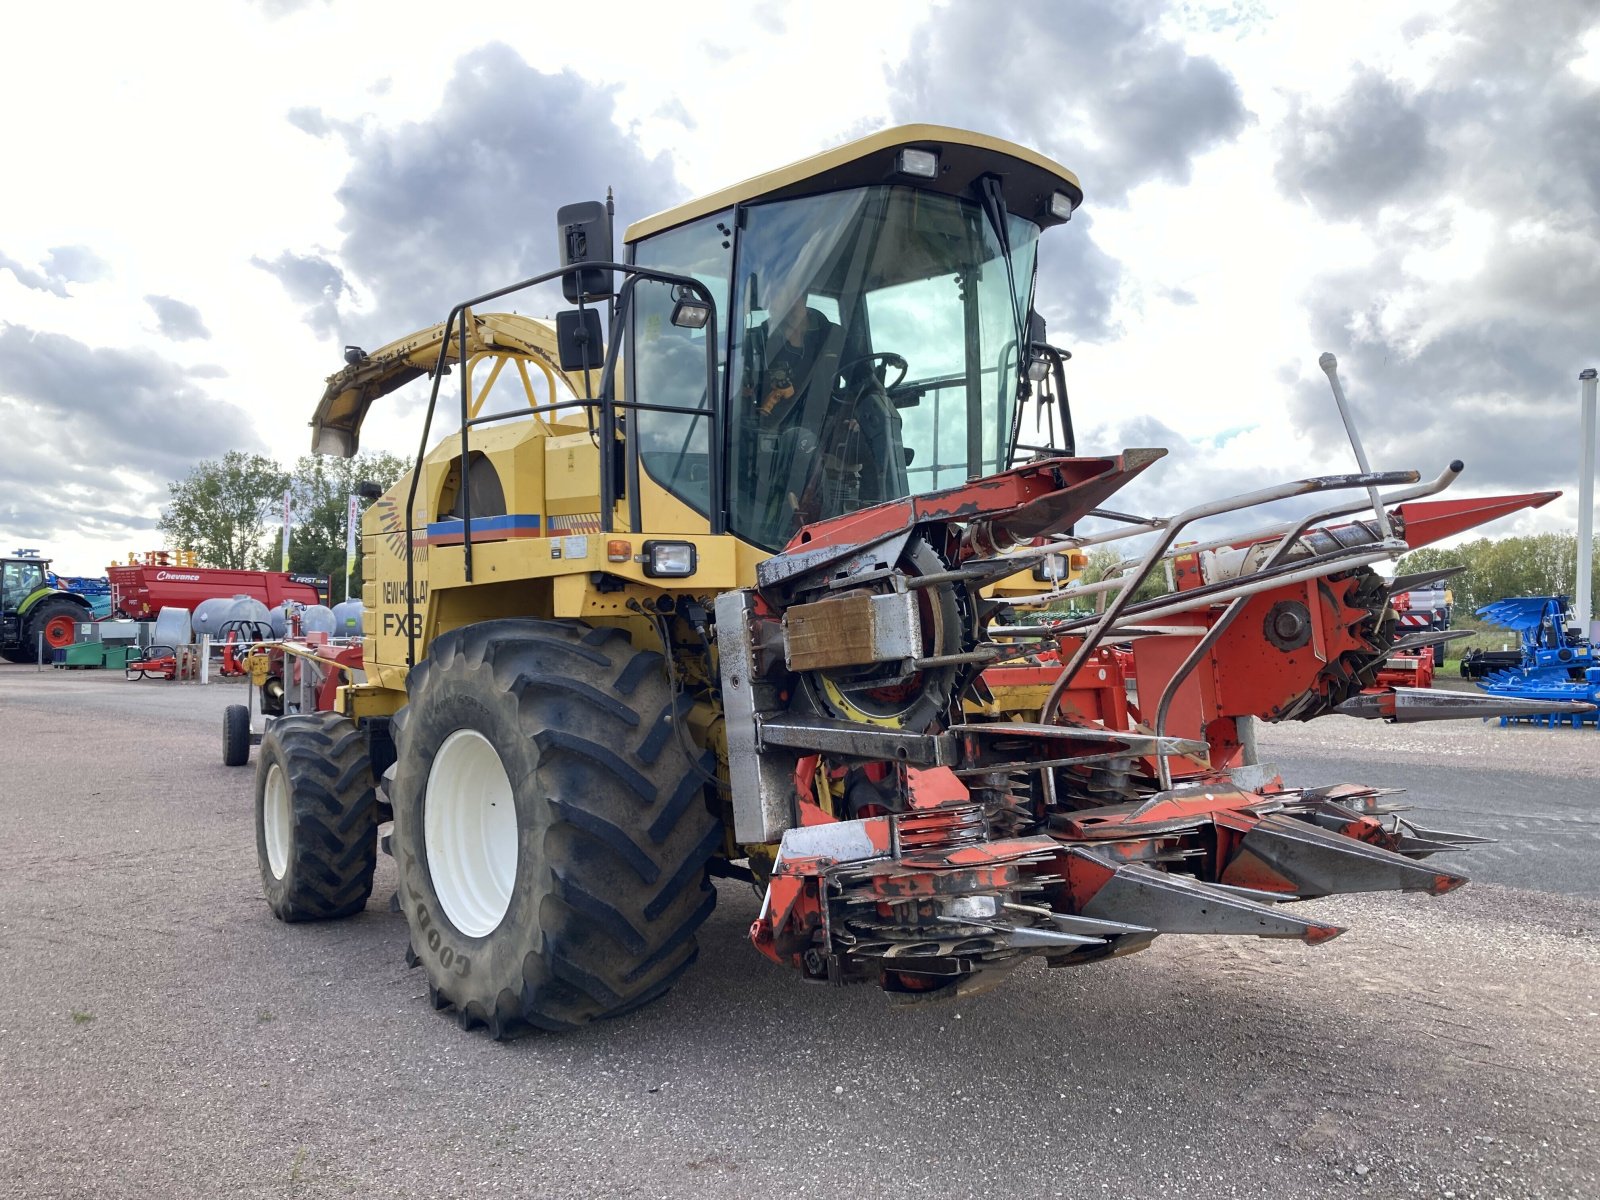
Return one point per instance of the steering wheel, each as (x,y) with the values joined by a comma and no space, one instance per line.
(879,362)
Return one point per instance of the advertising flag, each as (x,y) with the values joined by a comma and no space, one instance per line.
(352,528)
(287,504)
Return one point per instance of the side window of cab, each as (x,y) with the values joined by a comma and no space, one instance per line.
(19,581)
(667,363)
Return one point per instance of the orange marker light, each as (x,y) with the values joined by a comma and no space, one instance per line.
(619,551)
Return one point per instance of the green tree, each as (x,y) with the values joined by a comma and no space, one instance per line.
(1106,562)
(221,510)
(322,486)
(1102,561)
(1542,564)
(1431,558)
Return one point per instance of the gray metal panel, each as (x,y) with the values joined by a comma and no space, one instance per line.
(1322,863)
(1171,904)
(763,788)
(858,741)
(847,559)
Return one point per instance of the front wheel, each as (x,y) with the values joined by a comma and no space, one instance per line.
(551,830)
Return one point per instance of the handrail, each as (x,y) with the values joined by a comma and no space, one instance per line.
(1147,524)
(1220,626)
(1175,524)
(607,403)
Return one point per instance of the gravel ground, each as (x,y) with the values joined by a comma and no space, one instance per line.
(162,1035)
(1530,788)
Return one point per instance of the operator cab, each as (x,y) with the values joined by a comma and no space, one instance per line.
(19,579)
(874,327)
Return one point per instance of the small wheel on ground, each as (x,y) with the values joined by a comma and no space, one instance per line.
(551,829)
(235,735)
(316,818)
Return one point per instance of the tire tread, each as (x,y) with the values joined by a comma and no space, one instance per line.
(626,831)
(333,816)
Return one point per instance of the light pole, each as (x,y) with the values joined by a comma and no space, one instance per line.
(1584,611)
(367,491)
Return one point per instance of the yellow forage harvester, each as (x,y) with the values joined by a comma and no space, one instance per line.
(764,560)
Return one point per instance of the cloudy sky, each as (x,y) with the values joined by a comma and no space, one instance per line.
(206,201)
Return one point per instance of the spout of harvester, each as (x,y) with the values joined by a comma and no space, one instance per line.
(1423,522)
(1083,485)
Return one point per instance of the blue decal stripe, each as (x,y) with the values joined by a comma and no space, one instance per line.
(504,526)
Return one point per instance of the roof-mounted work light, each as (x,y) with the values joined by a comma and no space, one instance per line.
(924,164)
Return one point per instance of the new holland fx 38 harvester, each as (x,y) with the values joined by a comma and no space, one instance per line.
(761,579)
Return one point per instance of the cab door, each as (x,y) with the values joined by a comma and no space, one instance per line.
(18,581)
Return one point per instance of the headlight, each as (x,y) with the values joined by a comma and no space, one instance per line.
(1054,568)
(669,560)
(1061,206)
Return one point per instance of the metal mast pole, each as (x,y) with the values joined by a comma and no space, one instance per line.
(1330,366)
(1583,611)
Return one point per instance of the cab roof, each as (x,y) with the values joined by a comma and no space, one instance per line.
(1028,179)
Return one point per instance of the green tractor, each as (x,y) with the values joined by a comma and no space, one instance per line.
(30,607)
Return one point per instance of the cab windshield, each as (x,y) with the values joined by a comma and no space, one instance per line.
(18,581)
(875,338)
(873,353)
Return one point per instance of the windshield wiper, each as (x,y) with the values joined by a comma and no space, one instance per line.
(993,201)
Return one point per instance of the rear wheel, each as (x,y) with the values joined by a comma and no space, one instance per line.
(58,621)
(235,735)
(316,818)
(551,831)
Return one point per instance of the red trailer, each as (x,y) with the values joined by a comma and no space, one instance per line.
(141,591)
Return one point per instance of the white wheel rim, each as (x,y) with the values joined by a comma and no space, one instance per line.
(470,823)
(275,820)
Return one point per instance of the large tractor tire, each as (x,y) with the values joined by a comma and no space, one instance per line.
(316,818)
(57,619)
(551,831)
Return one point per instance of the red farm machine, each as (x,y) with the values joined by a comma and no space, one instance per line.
(753,601)
(140,590)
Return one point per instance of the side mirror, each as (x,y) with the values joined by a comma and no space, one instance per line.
(585,231)
(580,344)
(368,490)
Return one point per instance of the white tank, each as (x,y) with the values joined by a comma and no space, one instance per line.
(173,628)
(211,613)
(248,608)
(318,618)
(278,618)
(347,616)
